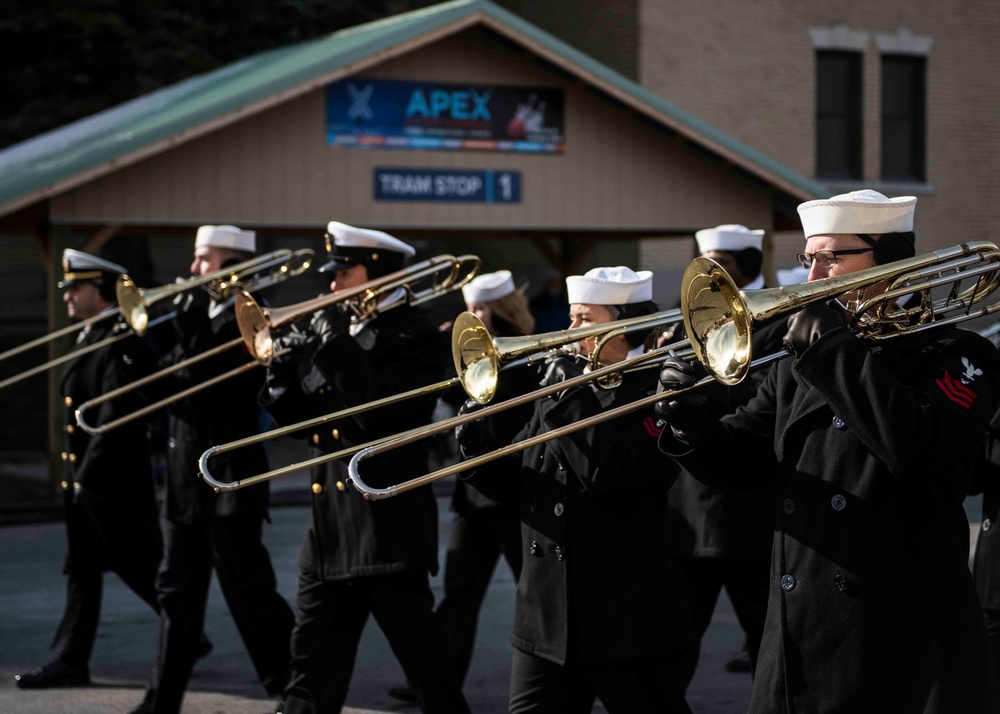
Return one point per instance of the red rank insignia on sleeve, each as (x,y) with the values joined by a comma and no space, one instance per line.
(956,391)
(652,427)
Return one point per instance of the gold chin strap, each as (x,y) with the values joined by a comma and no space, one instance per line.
(89,275)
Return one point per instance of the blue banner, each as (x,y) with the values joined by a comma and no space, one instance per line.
(447,185)
(397,114)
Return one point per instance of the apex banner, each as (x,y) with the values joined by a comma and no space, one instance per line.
(398,114)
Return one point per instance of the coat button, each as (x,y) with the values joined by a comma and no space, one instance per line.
(838,423)
(560,553)
(316,439)
(70,429)
(68,401)
(558,510)
(72,458)
(841,582)
(172,443)
(64,456)
(317,488)
(839,502)
(987,524)
(341,487)
(788,506)
(335,434)
(533,547)
(65,485)
(787,582)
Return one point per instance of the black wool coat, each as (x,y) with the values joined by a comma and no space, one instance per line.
(871,448)
(348,536)
(225,412)
(986,565)
(597,582)
(707,522)
(113,467)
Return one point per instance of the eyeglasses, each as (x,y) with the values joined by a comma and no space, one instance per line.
(827,258)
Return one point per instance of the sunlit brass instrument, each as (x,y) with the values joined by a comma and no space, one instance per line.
(446,273)
(279,265)
(254,320)
(479,356)
(134,301)
(719,319)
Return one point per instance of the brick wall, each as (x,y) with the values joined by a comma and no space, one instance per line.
(748,68)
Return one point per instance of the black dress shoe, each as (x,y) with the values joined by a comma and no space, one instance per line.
(403,694)
(55,674)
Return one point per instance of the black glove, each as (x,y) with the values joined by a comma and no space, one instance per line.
(687,414)
(289,349)
(474,437)
(808,325)
(559,369)
(329,323)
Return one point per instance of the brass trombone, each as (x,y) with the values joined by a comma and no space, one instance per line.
(282,265)
(134,301)
(478,356)
(260,322)
(720,318)
(446,272)
(479,359)
(218,486)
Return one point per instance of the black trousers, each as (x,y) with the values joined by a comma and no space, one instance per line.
(232,545)
(477,539)
(648,685)
(746,580)
(100,537)
(330,619)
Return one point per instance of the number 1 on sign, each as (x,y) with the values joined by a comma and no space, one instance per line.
(505,186)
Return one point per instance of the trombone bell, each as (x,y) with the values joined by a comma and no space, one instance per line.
(477,362)
(716,320)
(132,302)
(255,327)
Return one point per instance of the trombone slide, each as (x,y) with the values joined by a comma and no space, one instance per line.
(376,494)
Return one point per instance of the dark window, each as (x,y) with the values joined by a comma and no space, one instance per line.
(904,113)
(838,115)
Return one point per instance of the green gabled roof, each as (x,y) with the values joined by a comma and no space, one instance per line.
(58,160)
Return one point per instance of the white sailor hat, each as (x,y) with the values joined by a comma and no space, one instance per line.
(866,212)
(79,266)
(489,286)
(729,237)
(347,246)
(226,237)
(610,286)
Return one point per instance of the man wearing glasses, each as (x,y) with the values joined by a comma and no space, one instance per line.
(869,447)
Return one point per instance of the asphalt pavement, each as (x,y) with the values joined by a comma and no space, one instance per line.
(32,595)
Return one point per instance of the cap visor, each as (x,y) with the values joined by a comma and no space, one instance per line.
(336,265)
